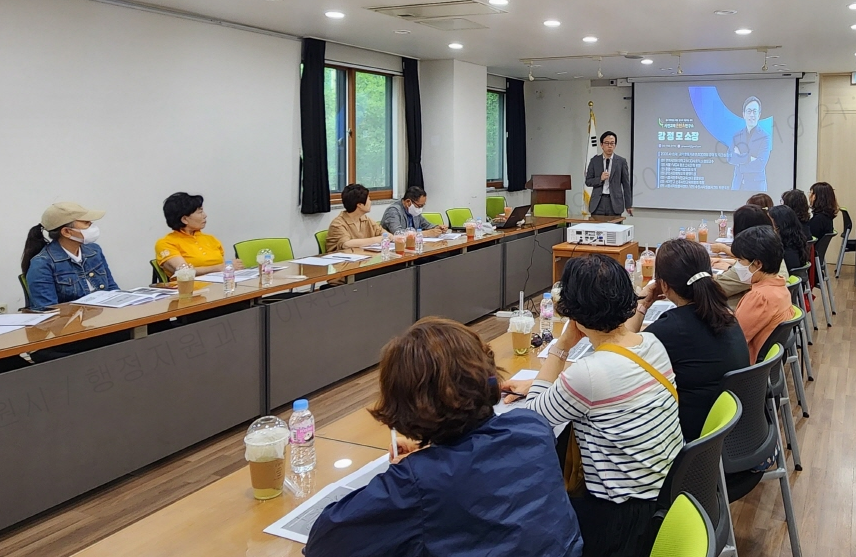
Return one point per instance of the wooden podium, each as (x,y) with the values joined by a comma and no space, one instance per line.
(549,188)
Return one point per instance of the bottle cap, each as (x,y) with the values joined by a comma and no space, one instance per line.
(386,233)
(269,256)
(300,405)
(547,295)
(228,262)
(418,230)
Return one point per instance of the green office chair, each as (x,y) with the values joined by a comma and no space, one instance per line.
(686,531)
(158,274)
(457,217)
(321,238)
(434,218)
(551,210)
(247,250)
(495,206)
(23,280)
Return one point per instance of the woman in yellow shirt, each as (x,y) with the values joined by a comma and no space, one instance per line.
(187,243)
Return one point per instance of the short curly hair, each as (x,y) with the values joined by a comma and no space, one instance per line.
(437,382)
(597,293)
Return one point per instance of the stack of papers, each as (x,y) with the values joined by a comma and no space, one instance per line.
(449,236)
(503,407)
(657,309)
(121,299)
(240,276)
(14,321)
(580,350)
(333,258)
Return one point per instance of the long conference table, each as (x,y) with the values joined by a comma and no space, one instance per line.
(223,519)
(188,370)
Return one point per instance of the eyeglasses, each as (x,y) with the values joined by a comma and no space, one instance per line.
(751,111)
(418,206)
(608,144)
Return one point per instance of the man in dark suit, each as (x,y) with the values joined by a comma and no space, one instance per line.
(750,150)
(609,177)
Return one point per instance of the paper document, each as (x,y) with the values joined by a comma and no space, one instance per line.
(727,241)
(580,350)
(316,261)
(9,328)
(154,293)
(297,524)
(342,257)
(240,276)
(432,240)
(502,407)
(374,247)
(113,299)
(450,236)
(657,309)
(24,319)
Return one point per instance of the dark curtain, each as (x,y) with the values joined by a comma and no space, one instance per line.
(315,184)
(413,116)
(515,126)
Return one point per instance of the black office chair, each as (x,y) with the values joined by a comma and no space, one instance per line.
(22,279)
(822,276)
(846,243)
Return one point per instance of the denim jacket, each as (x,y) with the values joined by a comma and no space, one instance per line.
(54,278)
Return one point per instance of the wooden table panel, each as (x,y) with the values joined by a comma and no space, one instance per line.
(223,519)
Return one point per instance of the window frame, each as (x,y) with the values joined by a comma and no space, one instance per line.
(493,183)
(351,131)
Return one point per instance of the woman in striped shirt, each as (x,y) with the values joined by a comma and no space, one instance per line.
(625,419)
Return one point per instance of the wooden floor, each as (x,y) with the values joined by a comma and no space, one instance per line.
(824,492)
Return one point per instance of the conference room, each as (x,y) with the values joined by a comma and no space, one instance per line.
(140,341)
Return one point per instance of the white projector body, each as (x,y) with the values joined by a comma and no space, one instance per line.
(600,233)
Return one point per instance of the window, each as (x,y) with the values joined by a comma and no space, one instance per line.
(495,139)
(358,110)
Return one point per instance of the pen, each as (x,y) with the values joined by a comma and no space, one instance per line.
(518,395)
(394,444)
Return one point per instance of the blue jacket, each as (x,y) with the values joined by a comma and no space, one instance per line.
(498,491)
(54,278)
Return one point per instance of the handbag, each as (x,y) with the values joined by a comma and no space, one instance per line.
(572,464)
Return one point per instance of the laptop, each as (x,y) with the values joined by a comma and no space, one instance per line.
(517,215)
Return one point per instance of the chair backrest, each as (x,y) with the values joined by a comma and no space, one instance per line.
(321,238)
(781,333)
(247,250)
(158,274)
(848,224)
(696,468)
(495,205)
(553,210)
(457,217)
(434,218)
(794,285)
(822,245)
(686,531)
(22,279)
(753,438)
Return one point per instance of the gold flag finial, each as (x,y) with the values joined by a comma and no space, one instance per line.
(591,104)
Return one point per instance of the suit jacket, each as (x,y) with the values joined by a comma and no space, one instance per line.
(620,189)
(395,219)
(750,175)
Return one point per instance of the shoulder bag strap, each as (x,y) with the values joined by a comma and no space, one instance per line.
(642,363)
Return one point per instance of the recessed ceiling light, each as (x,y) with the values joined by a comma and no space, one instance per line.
(402,32)
(725,12)
(456,46)
(852,6)
(853,27)
(666,69)
(590,39)
(344,463)
(552,23)
(561,73)
(772,56)
(743,31)
(334,15)
(499,2)
(578,76)
(647,61)
(779,65)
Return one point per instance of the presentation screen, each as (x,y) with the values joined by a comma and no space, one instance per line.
(710,145)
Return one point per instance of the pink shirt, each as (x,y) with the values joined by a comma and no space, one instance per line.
(762,309)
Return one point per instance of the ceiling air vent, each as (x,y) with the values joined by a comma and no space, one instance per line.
(452,24)
(449,9)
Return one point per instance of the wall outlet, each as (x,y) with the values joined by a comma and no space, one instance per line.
(3,308)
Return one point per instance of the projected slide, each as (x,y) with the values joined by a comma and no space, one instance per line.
(711,145)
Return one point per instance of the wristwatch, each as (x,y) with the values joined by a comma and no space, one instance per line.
(556,351)
(641,308)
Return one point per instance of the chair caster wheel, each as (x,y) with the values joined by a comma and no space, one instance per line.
(798,467)
(805,414)
(810,378)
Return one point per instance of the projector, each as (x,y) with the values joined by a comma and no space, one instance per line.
(600,233)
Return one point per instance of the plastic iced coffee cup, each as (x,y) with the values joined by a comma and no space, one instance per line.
(410,239)
(520,326)
(265,444)
(471,229)
(508,212)
(185,277)
(400,240)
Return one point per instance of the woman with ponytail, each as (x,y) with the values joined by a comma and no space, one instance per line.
(701,335)
(61,260)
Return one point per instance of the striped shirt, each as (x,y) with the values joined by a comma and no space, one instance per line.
(625,421)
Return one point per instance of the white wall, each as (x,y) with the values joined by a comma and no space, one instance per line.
(454,106)
(116,109)
(556,123)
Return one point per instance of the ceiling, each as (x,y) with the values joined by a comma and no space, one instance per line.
(815,36)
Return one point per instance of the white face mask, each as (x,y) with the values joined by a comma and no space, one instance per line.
(414,210)
(90,235)
(743,273)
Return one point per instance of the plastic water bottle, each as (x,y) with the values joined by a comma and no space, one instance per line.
(302,426)
(547,313)
(630,266)
(267,271)
(384,246)
(229,278)
(479,231)
(420,241)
